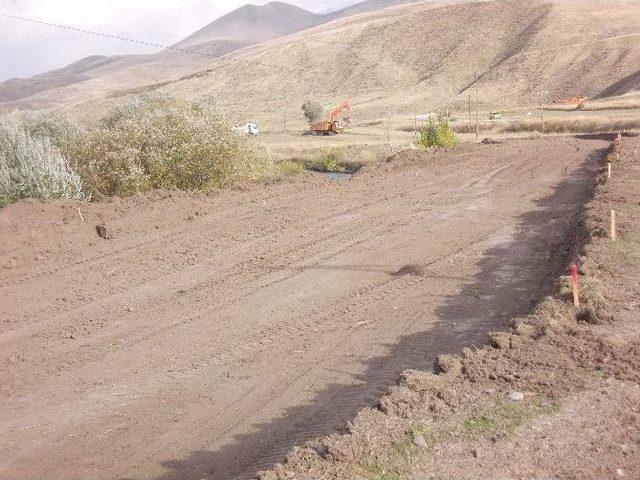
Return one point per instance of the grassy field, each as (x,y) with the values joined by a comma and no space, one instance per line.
(370,139)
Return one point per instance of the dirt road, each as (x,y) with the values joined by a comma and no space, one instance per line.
(212,333)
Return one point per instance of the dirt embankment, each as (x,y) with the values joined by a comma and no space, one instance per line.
(554,396)
(205,336)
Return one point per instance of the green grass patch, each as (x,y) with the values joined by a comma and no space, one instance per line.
(402,459)
(506,418)
(289,167)
(627,250)
(330,162)
(591,291)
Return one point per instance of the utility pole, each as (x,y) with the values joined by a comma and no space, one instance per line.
(542,93)
(284,119)
(388,127)
(506,126)
(469,107)
(477,116)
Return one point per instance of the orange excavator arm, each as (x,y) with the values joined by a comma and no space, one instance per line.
(345,106)
(331,126)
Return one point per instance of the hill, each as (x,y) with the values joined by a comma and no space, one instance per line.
(422,55)
(242,27)
(252,24)
(406,59)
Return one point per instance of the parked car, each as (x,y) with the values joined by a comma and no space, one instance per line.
(249,129)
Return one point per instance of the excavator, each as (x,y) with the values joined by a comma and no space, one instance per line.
(333,126)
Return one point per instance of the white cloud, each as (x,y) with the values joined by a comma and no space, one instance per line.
(29,48)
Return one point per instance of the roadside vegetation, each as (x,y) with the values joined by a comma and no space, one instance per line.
(332,161)
(159,142)
(437,132)
(575,125)
(31,165)
(143,143)
(312,111)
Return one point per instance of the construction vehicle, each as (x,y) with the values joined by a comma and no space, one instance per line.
(571,100)
(335,124)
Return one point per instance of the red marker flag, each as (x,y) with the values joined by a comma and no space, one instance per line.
(574,273)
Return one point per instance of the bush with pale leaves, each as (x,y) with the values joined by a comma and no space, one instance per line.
(31,166)
(153,141)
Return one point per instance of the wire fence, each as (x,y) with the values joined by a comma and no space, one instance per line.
(555,118)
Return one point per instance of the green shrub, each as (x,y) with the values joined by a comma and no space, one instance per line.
(153,141)
(60,129)
(289,167)
(437,133)
(330,163)
(312,110)
(31,166)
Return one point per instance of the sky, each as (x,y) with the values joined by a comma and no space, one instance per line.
(27,49)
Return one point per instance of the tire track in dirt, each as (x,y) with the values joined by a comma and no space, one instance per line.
(192,381)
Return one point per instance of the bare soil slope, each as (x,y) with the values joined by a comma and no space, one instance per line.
(209,334)
(554,396)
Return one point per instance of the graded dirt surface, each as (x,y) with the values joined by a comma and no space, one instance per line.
(207,335)
(554,395)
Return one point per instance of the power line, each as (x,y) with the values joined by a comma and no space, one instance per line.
(105,35)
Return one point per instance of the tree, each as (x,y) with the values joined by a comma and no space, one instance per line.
(312,110)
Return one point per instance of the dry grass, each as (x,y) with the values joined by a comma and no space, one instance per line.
(553,126)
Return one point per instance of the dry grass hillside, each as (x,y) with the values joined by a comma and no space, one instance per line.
(425,55)
(245,26)
(242,27)
(406,59)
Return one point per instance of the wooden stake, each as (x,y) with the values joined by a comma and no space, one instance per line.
(608,170)
(574,285)
(415,123)
(80,213)
(576,296)
(613,225)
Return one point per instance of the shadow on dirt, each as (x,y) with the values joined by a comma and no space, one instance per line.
(514,276)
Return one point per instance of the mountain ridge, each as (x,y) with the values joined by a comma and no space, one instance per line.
(245,26)
(416,56)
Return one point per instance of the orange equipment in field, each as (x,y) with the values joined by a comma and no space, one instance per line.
(333,126)
(572,100)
